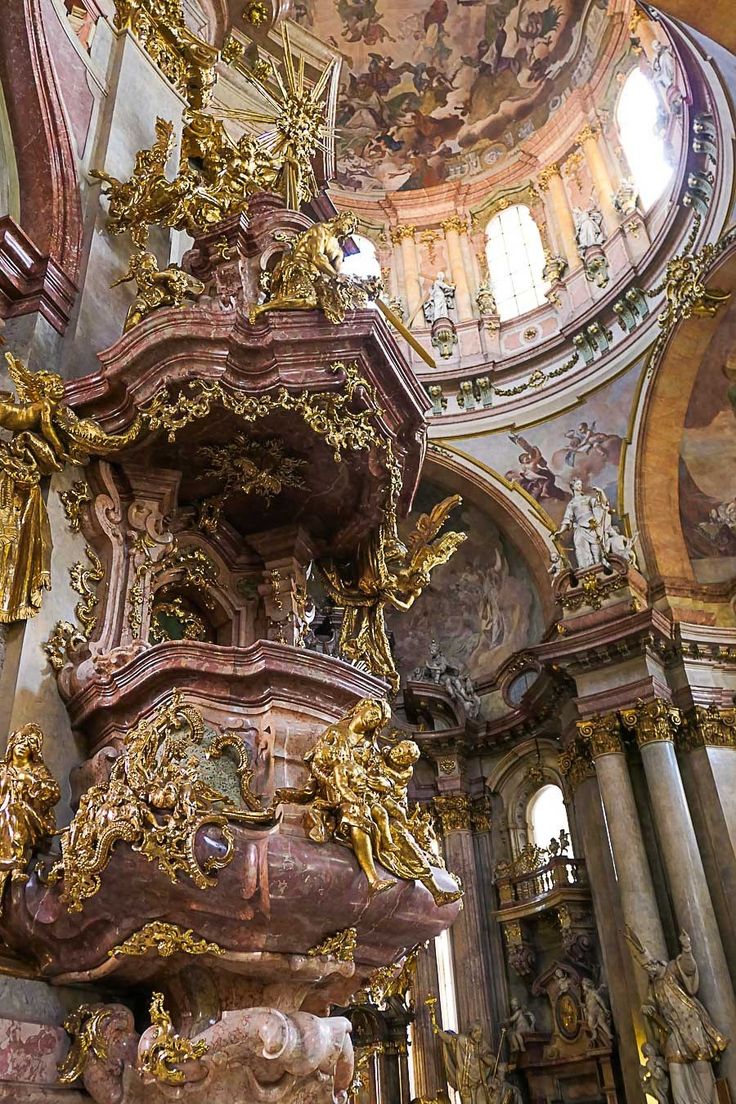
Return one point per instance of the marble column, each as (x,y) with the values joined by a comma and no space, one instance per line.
(425,1049)
(550,182)
(655,725)
(452,228)
(471,982)
(471,268)
(576,767)
(602,734)
(404,235)
(604,187)
(492,943)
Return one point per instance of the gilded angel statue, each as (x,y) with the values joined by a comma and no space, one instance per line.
(47,434)
(388,573)
(28,794)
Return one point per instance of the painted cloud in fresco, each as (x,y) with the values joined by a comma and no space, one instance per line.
(438,89)
(480,607)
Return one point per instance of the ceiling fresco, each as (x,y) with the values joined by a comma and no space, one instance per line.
(438,90)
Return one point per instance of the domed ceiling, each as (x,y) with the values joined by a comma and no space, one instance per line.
(438,90)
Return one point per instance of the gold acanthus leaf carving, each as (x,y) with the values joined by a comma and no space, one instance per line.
(652,722)
(709,726)
(166,1050)
(28,794)
(155,800)
(454,812)
(340,946)
(47,435)
(390,981)
(247,467)
(84,581)
(601,734)
(357,795)
(85,1027)
(164,940)
(74,501)
(63,637)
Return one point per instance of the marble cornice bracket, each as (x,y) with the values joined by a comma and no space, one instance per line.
(708,726)
(31,280)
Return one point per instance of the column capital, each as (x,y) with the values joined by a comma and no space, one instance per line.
(601,734)
(398,233)
(589,131)
(480,815)
(454,812)
(575,763)
(546,175)
(456,223)
(653,722)
(708,726)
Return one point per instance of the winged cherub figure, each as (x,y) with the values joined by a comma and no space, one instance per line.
(47,434)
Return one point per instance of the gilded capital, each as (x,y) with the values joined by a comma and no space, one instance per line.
(708,726)
(575,763)
(586,134)
(652,722)
(601,734)
(546,175)
(456,223)
(454,812)
(398,233)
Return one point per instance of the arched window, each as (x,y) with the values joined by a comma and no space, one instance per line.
(515,261)
(638,122)
(546,815)
(364,262)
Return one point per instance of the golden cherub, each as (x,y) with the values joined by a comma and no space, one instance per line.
(155,287)
(47,435)
(388,573)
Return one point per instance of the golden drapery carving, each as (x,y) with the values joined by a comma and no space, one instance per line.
(388,573)
(357,795)
(156,800)
(28,794)
(46,436)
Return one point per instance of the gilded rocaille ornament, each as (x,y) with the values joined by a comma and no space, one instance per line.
(85,1027)
(74,502)
(84,580)
(28,794)
(357,795)
(387,572)
(308,276)
(46,436)
(246,467)
(155,800)
(155,287)
(164,940)
(340,946)
(166,1050)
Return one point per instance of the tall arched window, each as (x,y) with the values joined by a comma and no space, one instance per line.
(546,815)
(638,122)
(515,261)
(364,262)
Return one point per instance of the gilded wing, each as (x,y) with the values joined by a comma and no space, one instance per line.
(164,143)
(27,388)
(429,525)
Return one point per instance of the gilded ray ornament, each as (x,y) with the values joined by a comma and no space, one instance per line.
(47,434)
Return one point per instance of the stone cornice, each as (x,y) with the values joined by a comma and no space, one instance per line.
(31,280)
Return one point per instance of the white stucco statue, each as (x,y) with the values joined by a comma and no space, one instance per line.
(597,1015)
(588,517)
(520,1023)
(440,300)
(663,66)
(588,227)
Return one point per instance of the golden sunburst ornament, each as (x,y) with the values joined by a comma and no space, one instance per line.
(299,121)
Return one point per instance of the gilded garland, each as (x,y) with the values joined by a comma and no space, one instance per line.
(155,800)
(46,436)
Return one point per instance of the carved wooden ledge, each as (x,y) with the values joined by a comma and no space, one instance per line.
(30,280)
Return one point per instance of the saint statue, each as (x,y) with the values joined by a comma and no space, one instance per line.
(588,227)
(653,1074)
(459,686)
(588,516)
(597,1015)
(688,1038)
(28,794)
(47,434)
(663,66)
(520,1023)
(470,1066)
(440,300)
